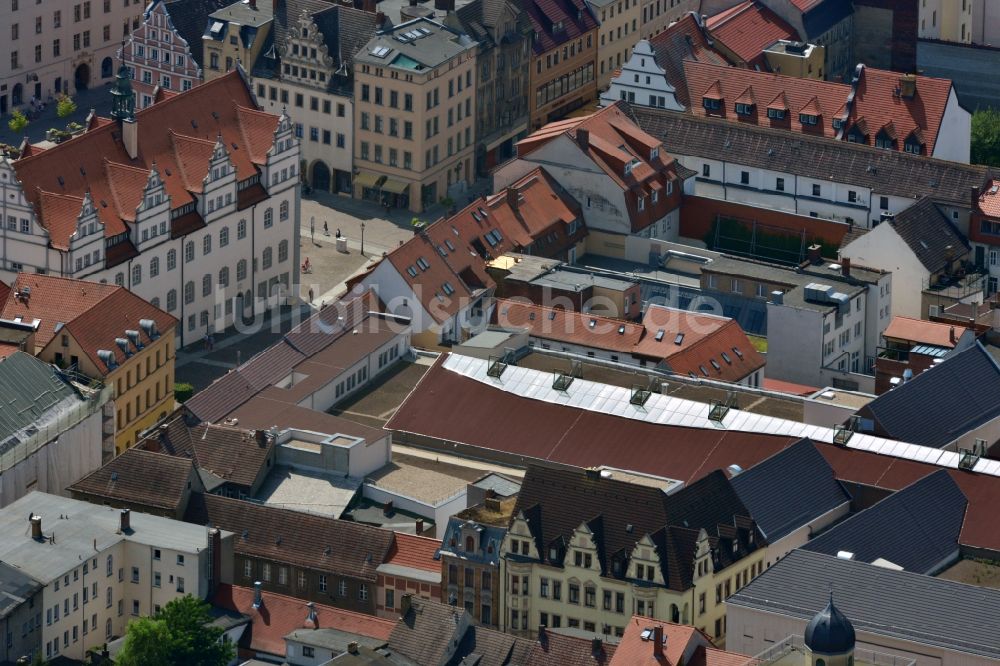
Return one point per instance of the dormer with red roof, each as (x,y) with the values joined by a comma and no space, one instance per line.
(621,175)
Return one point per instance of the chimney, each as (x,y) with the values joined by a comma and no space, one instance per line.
(658,641)
(815,253)
(908,86)
(352,647)
(596,645)
(492,504)
(419,526)
(974,199)
(253,5)
(125,524)
(404,604)
(312,618)
(130,137)
(388,507)
(583,137)
(258,599)
(952,336)
(379,19)
(845,266)
(512,198)
(36,527)
(215,543)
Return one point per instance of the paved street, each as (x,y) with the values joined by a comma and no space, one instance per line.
(98,98)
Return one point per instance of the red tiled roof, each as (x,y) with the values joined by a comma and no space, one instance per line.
(923,332)
(682,41)
(634,650)
(279,616)
(749,28)
(710,656)
(575,16)
(173,134)
(614,140)
(875,107)
(706,341)
(4,291)
(416,552)
(702,338)
(498,420)
(562,650)
(449,255)
(989,200)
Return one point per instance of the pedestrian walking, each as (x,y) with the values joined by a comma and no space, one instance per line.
(326,228)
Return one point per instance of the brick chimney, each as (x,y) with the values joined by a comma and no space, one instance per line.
(583,137)
(404,604)
(845,266)
(352,647)
(419,526)
(379,19)
(951,335)
(658,642)
(125,524)
(814,253)
(908,86)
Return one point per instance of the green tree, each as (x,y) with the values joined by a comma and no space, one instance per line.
(18,121)
(180,635)
(986,137)
(65,106)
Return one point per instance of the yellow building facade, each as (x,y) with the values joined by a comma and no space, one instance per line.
(617,35)
(236,34)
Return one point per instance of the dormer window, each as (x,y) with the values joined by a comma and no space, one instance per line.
(808,119)
(711,104)
(557,26)
(654,153)
(470,544)
(743,109)
(856,136)
(642,202)
(776,114)
(884,141)
(838,123)
(913,146)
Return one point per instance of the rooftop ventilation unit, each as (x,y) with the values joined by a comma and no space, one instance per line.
(107,358)
(496,367)
(842,433)
(133,337)
(561,381)
(123,345)
(149,328)
(639,396)
(967,459)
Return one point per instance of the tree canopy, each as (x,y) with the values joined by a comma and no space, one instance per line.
(179,635)
(986,137)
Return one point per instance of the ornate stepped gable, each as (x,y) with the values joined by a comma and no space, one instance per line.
(185,145)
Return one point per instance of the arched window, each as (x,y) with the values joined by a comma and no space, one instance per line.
(675,614)
(206,244)
(189,251)
(171,260)
(155,302)
(154,267)
(282,251)
(821,662)
(283,211)
(241,229)
(136,274)
(224,237)
(241,270)
(120,279)
(107,628)
(268,258)
(470,544)
(206,284)
(110,565)
(268,217)
(171,300)
(224,276)
(189,292)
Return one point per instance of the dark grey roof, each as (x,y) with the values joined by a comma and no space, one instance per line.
(498,483)
(887,172)
(898,604)
(916,528)
(821,18)
(15,588)
(941,404)
(30,393)
(930,234)
(190,17)
(799,471)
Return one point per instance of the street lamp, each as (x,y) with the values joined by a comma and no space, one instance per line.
(362,239)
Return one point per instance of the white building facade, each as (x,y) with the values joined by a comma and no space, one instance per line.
(60,47)
(240,245)
(642,81)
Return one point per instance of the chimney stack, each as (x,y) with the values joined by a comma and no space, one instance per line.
(658,641)
(815,253)
(908,86)
(512,198)
(379,19)
(366,5)
(404,604)
(125,525)
(388,507)
(419,526)
(312,618)
(130,137)
(974,199)
(583,137)
(36,527)
(952,336)
(845,266)
(596,646)
(258,598)
(352,647)
(215,543)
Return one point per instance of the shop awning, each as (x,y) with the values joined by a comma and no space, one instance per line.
(366,179)
(394,186)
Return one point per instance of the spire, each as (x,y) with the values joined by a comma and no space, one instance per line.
(122,95)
